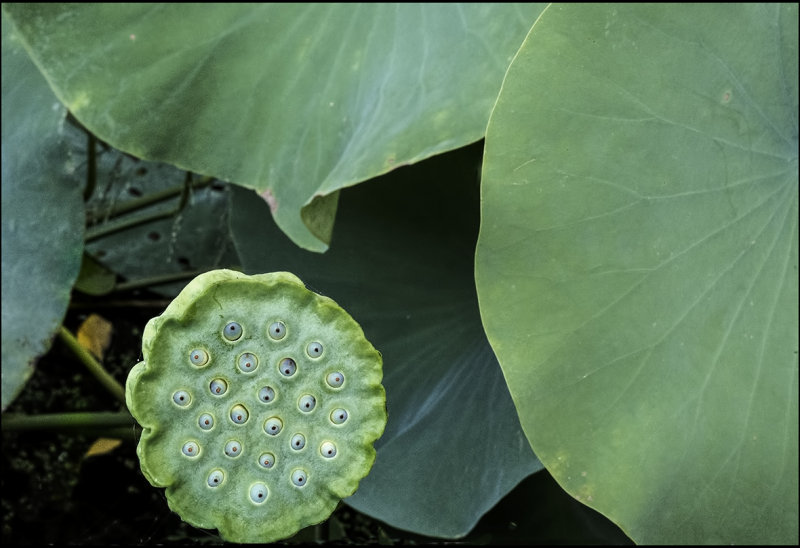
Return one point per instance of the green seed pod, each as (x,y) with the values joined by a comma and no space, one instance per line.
(261,351)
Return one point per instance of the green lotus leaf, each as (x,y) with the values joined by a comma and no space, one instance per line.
(404,266)
(293,100)
(637,263)
(259,402)
(43,216)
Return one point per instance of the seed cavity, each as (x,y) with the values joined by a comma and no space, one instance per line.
(239,414)
(314,350)
(215,478)
(273,426)
(218,387)
(299,477)
(182,398)
(266,394)
(258,493)
(190,449)
(298,442)
(198,356)
(248,362)
(232,331)
(277,331)
(334,379)
(327,450)
(288,367)
(338,416)
(307,403)
(206,421)
(267,460)
(233,448)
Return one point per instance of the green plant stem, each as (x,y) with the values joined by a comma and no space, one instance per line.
(82,422)
(94,367)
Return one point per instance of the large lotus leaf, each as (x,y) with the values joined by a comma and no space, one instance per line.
(42,224)
(402,266)
(294,100)
(637,263)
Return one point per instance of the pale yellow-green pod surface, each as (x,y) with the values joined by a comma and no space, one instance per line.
(259,402)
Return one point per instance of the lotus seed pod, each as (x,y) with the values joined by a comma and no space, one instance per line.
(259,402)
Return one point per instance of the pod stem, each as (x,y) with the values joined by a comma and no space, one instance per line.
(119,422)
(94,367)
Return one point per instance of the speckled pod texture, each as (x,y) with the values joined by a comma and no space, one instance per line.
(259,401)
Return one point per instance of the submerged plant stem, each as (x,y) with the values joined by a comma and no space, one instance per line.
(91,167)
(96,232)
(150,199)
(95,368)
(156,280)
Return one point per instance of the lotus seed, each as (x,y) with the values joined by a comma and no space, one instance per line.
(288,367)
(232,331)
(198,356)
(273,426)
(299,477)
(258,492)
(215,478)
(306,403)
(328,450)
(338,416)
(218,387)
(182,398)
(206,421)
(233,448)
(191,449)
(248,362)
(266,394)
(335,379)
(314,350)
(277,331)
(267,460)
(239,414)
(298,441)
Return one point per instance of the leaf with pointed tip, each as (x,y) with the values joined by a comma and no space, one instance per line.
(294,100)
